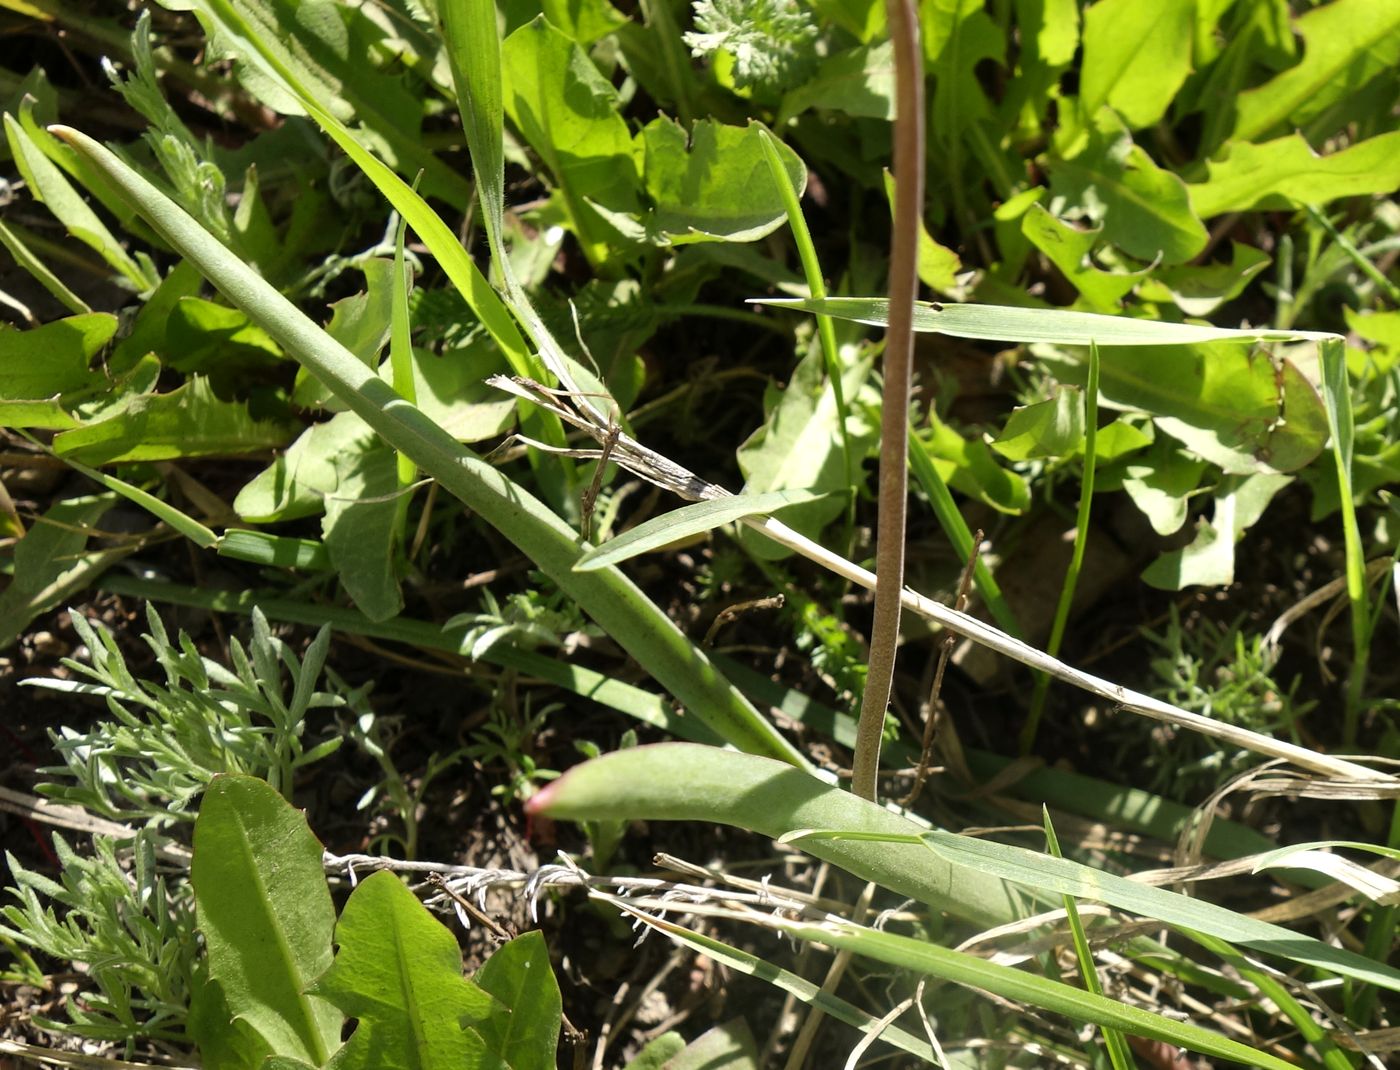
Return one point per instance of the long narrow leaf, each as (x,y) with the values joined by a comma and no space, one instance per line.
(1005,323)
(621,608)
(689,520)
(680,781)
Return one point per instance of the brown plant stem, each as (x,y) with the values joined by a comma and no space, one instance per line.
(894,417)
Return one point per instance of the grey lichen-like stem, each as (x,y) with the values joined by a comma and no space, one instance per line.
(894,416)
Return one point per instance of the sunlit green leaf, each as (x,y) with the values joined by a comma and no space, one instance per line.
(1136,57)
(689,520)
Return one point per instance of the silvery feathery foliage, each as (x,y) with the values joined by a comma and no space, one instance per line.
(164,742)
(772,41)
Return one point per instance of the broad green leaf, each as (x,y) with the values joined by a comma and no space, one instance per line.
(1239,410)
(968,465)
(926,957)
(1143,209)
(957,36)
(190,421)
(360,323)
(325,47)
(451,389)
(568,112)
(1199,291)
(686,782)
(1287,172)
(1054,27)
(1209,559)
(729,1046)
(49,562)
(1121,438)
(655,1055)
(1069,249)
(1136,56)
(690,520)
(1053,428)
(1346,44)
(398,972)
(55,358)
(618,606)
(266,915)
(858,82)
(296,483)
(149,330)
(1160,486)
(49,187)
(522,1028)
(1053,326)
(714,184)
(360,530)
(799,447)
(205,337)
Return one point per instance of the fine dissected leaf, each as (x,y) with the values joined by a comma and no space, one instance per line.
(690,520)
(618,606)
(398,971)
(266,914)
(686,782)
(522,1028)
(190,421)
(360,530)
(1288,172)
(54,359)
(1005,323)
(1136,56)
(714,184)
(1346,44)
(1142,208)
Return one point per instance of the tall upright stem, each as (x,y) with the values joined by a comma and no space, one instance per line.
(894,419)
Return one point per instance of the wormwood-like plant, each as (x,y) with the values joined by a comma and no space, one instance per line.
(166,741)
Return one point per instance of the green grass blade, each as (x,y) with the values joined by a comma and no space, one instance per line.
(621,608)
(1080,1006)
(816,283)
(1308,1028)
(1336,396)
(1081,539)
(1055,326)
(1118,1052)
(689,520)
(27,259)
(474,49)
(950,519)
